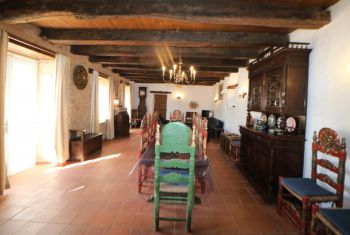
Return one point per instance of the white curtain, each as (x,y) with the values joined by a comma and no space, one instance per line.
(61,102)
(122,93)
(110,121)
(3,55)
(94,117)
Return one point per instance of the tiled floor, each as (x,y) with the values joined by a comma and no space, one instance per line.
(100,197)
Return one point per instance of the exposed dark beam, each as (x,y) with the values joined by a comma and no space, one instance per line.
(142,51)
(239,12)
(163,38)
(201,83)
(148,78)
(119,68)
(207,62)
(159,74)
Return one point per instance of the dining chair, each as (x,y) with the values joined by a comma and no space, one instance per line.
(330,221)
(297,195)
(174,173)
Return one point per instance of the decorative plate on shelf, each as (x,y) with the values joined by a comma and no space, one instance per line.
(271,121)
(290,124)
(263,117)
(80,77)
(281,123)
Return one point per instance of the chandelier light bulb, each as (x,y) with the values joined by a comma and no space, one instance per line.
(191,69)
(174,67)
(163,68)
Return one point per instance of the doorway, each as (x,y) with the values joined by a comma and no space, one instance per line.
(160,105)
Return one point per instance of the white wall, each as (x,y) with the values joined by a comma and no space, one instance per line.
(201,94)
(329,81)
(232,117)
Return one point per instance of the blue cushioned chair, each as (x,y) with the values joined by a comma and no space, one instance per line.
(297,195)
(335,221)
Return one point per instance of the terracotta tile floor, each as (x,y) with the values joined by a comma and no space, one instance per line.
(99,197)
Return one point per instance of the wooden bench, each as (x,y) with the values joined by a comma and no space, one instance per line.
(82,144)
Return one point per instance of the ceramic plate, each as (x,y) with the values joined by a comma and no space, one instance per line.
(263,117)
(290,124)
(271,121)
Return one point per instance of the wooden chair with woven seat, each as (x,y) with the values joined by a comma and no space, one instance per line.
(297,195)
(174,176)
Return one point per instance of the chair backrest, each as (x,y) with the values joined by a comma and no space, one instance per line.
(175,139)
(328,143)
(175,134)
(176,115)
(200,127)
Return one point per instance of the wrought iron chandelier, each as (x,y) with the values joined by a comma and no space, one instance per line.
(178,76)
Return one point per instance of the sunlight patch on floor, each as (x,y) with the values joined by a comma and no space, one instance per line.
(60,168)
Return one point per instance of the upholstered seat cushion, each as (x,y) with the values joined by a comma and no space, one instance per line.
(340,218)
(176,187)
(305,187)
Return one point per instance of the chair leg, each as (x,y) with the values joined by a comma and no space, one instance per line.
(139,179)
(156,213)
(313,226)
(188,217)
(203,186)
(279,195)
(305,215)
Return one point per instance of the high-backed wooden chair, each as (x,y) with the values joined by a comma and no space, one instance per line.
(333,220)
(144,143)
(176,116)
(297,195)
(174,177)
(148,130)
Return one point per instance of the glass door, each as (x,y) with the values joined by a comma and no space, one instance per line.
(21,107)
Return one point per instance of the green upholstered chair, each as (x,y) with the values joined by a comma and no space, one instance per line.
(174,175)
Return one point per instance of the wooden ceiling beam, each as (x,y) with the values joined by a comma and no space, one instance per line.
(240,12)
(119,68)
(201,83)
(197,62)
(163,38)
(159,78)
(159,73)
(142,51)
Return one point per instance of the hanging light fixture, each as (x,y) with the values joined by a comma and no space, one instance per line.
(177,75)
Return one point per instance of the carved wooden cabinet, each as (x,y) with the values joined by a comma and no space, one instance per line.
(277,85)
(278,82)
(266,156)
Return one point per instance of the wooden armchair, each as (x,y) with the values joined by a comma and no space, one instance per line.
(297,195)
(176,116)
(174,177)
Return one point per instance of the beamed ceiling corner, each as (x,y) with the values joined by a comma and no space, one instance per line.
(136,38)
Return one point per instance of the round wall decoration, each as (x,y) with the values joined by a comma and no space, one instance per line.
(80,77)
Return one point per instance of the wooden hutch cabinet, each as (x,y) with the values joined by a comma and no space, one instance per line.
(277,85)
